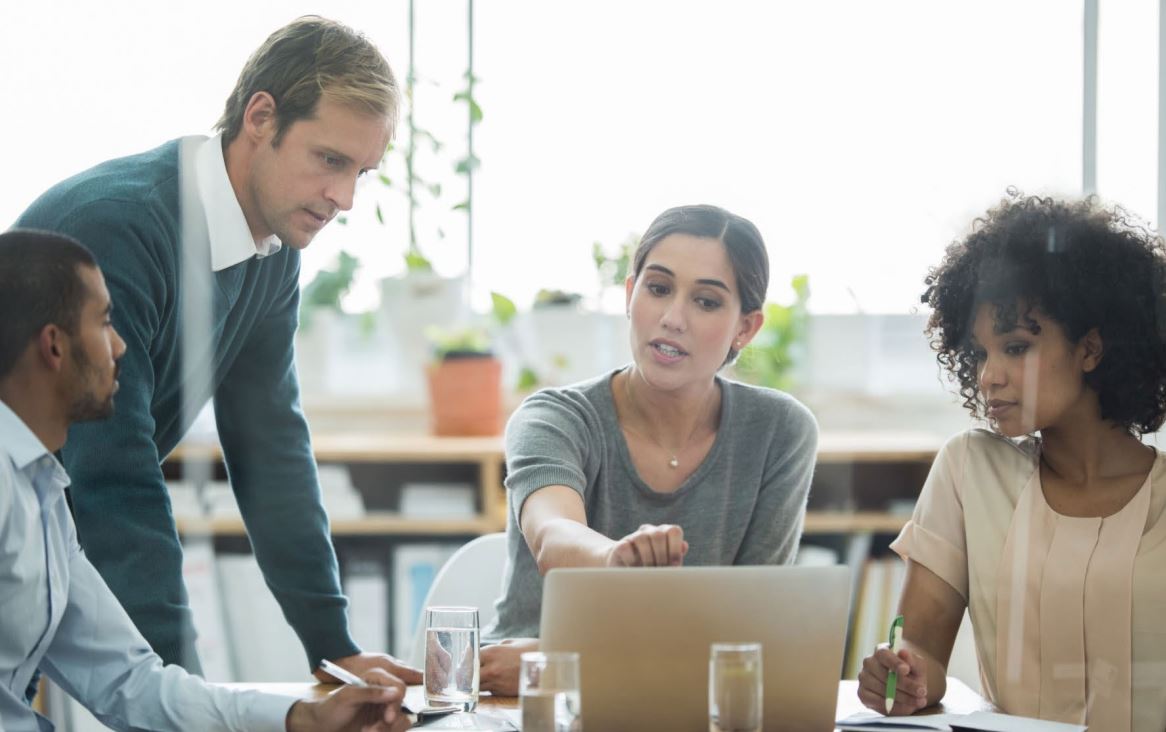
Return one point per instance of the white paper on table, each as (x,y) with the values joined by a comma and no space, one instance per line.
(991,722)
(873,721)
(974,722)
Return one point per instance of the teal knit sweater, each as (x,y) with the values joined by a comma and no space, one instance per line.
(126,211)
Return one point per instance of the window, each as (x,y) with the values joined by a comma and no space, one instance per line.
(861,137)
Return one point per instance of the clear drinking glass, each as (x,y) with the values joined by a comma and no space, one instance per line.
(735,691)
(451,657)
(548,689)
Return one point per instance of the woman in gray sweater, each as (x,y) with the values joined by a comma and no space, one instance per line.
(663,462)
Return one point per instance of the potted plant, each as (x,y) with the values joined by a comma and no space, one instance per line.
(465,384)
(770,358)
(613,270)
(327,288)
(317,339)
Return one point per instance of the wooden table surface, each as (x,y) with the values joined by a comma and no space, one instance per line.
(960,699)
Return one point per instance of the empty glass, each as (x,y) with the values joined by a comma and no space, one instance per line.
(451,657)
(548,689)
(735,691)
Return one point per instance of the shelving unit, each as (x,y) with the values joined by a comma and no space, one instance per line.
(858,473)
(864,485)
(363,452)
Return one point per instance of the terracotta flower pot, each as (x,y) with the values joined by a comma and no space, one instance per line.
(465,396)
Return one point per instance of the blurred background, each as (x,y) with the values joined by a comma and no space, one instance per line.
(861,137)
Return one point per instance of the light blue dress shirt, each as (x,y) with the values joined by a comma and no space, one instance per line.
(56,613)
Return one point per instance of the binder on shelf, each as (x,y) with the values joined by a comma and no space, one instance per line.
(414,568)
(367,587)
(438,500)
(340,497)
(878,598)
(199,573)
(810,555)
(263,646)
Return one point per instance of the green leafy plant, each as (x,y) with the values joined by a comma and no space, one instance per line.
(504,309)
(329,286)
(503,313)
(471,341)
(451,343)
(416,187)
(769,359)
(551,298)
(613,270)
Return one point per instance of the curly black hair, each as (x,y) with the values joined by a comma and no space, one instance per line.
(1083,264)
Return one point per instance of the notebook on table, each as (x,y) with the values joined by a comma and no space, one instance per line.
(975,722)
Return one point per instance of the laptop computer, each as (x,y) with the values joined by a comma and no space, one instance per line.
(643,637)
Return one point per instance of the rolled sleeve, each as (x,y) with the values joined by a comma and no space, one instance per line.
(546,444)
(931,550)
(935,536)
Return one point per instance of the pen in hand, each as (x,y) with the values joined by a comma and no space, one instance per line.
(896,642)
(353,680)
(346,676)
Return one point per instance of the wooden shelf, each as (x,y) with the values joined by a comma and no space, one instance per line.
(373,524)
(862,522)
(487,453)
(833,447)
(359,447)
(881,447)
(393,524)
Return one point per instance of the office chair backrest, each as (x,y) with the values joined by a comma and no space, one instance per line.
(472,576)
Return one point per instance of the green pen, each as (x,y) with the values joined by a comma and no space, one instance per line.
(896,642)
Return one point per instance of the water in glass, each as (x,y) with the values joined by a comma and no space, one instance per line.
(550,710)
(735,690)
(451,666)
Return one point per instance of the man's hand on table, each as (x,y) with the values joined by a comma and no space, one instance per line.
(360,663)
(375,708)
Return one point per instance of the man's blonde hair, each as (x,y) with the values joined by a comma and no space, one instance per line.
(306,59)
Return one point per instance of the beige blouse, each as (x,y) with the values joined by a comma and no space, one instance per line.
(1069,613)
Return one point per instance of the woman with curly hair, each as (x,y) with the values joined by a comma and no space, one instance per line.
(1049,528)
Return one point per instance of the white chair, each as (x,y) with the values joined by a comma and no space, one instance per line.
(472,576)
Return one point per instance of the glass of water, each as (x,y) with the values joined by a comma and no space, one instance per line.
(735,690)
(451,657)
(548,690)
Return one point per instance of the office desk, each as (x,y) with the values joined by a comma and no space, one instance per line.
(960,699)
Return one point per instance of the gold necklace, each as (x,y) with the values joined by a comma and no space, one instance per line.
(674,459)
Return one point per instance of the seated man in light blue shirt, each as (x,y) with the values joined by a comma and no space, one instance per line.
(58,365)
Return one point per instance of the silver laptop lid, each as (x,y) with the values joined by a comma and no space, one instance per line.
(643,636)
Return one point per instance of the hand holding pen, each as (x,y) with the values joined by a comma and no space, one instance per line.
(894,679)
(369,703)
(896,644)
(420,716)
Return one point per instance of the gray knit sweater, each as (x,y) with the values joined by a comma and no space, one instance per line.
(745,504)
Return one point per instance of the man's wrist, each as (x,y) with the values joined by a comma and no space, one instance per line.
(299,717)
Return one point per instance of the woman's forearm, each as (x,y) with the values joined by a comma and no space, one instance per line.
(564,542)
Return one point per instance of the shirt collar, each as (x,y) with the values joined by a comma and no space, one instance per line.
(230,239)
(22,446)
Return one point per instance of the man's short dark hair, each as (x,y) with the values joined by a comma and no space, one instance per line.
(40,283)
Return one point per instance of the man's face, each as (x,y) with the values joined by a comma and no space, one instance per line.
(94,350)
(301,184)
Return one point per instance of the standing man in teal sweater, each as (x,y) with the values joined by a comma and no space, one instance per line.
(200,241)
